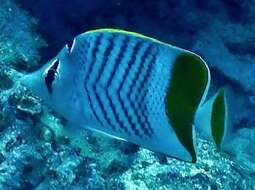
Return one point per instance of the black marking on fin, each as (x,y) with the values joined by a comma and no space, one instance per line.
(51,74)
(186,88)
(218,118)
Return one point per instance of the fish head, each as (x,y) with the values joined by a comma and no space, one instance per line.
(54,82)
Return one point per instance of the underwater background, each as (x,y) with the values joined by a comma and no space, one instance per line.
(35,153)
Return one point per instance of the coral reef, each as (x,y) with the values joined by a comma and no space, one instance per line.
(38,152)
(19,43)
(212,171)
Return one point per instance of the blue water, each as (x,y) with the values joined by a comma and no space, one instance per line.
(35,150)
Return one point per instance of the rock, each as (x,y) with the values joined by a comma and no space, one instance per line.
(29,105)
(213,170)
(241,146)
(126,147)
(116,167)
(24,104)
(216,52)
(18,48)
(5,81)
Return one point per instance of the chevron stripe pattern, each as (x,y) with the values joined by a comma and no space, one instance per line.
(118,68)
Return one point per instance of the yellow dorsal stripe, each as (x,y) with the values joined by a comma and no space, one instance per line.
(113,30)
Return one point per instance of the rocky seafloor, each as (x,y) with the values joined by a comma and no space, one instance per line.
(36,152)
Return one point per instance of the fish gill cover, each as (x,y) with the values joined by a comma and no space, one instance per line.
(37,153)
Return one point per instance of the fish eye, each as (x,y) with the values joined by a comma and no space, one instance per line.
(51,74)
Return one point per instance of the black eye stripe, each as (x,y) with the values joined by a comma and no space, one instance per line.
(50,76)
(55,65)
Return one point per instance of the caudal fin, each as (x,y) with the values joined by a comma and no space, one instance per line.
(211,118)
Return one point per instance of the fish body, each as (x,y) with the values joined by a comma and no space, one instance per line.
(128,86)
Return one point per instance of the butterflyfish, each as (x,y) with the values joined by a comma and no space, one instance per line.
(132,87)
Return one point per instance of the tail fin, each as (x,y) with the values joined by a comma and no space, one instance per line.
(211,118)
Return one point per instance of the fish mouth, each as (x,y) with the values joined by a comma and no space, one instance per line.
(31,82)
(24,81)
